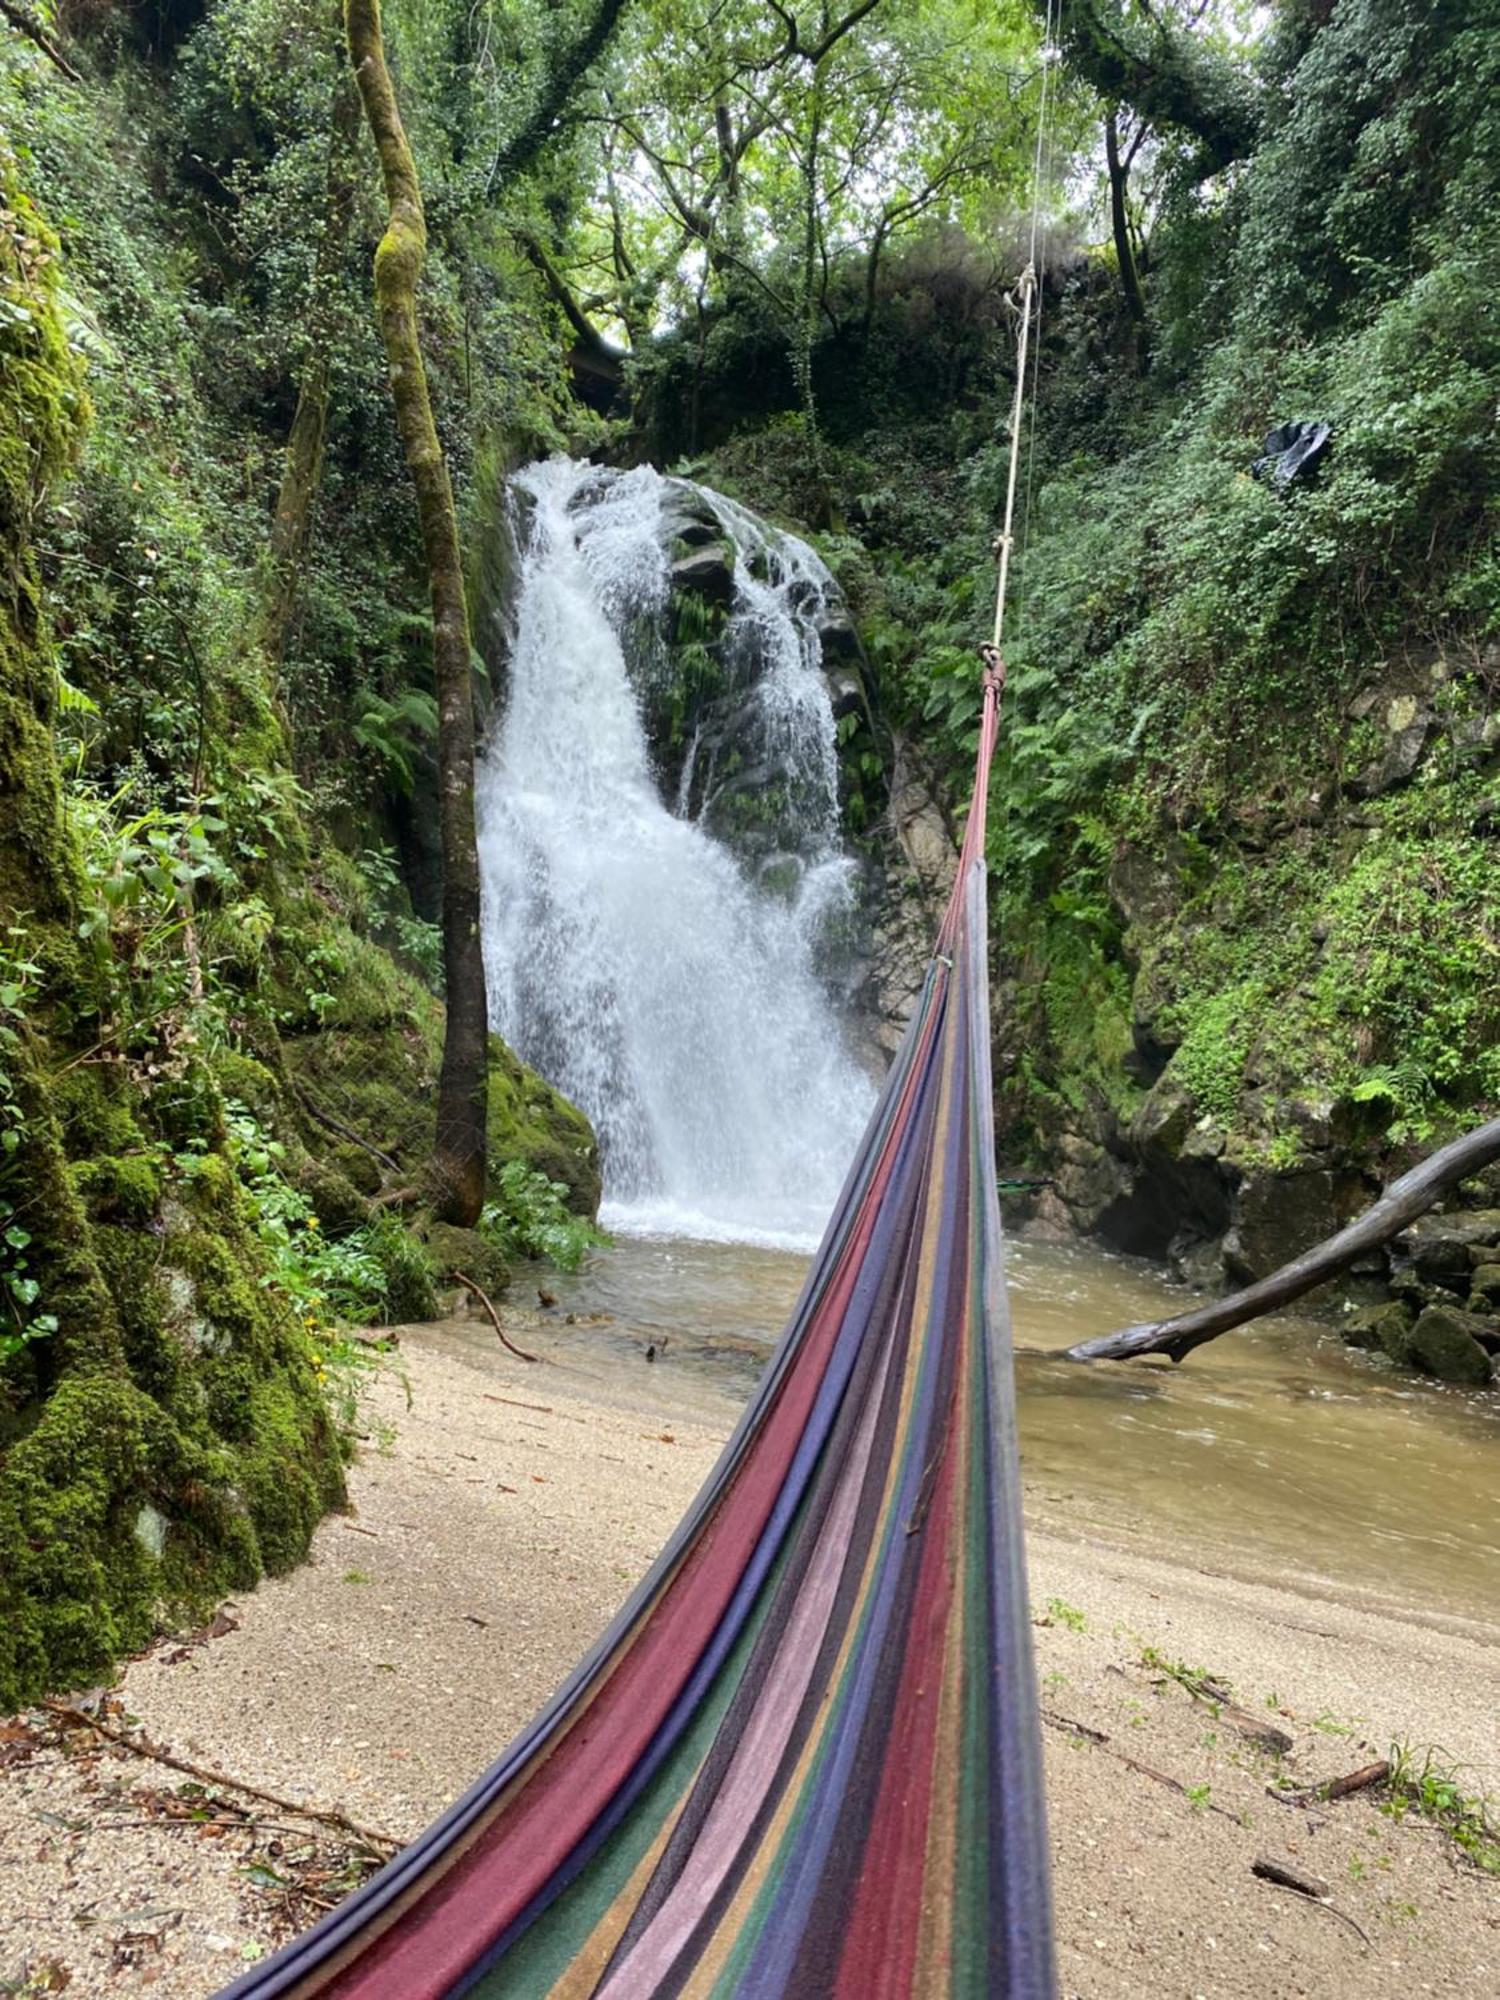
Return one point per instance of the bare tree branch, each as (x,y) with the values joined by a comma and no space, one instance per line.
(26,23)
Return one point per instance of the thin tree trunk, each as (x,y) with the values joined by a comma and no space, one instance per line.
(1403,1201)
(26,23)
(459,1155)
(302,467)
(1130,278)
(802,353)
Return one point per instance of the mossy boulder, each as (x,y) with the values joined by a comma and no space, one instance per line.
(371,1067)
(1445,1343)
(338,1204)
(1383,1329)
(409,1270)
(1279,1215)
(453,1250)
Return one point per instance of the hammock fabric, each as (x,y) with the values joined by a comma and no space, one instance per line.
(804,1759)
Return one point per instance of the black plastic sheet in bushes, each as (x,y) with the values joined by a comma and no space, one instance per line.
(1292,452)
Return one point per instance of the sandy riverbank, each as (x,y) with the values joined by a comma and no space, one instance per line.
(495,1533)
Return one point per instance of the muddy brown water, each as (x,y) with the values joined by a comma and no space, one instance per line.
(1275,1453)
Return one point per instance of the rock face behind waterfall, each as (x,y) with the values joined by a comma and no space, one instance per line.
(671,917)
(742,599)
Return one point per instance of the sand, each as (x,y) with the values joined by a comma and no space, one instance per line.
(499,1519)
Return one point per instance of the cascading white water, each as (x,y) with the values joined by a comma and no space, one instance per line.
(631,959)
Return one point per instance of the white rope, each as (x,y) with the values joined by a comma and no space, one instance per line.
(1028,286)
(1006,539)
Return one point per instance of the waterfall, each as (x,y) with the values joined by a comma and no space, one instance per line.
(664,979)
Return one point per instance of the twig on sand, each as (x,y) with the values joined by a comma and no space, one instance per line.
(1284,1876)
(483,1298)
(1101,1741)
(1336,1788)
(142,1746)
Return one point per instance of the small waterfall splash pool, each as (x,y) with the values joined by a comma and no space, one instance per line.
(668,981)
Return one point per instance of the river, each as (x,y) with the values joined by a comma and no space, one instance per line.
(1275,1454)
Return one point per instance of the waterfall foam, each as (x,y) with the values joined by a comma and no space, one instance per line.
(631,957)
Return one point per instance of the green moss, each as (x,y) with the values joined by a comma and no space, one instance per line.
(287,1466)
(452,1250)
(120,1190)
(171,1438)
(77,1583)
(530,1121)
(95,1110)
(337,1202)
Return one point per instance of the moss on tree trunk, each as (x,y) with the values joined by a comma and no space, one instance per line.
(459,1156)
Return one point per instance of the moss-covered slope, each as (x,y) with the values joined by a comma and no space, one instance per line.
(216,1044)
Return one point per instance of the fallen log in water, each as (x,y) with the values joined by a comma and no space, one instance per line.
(1403,1201)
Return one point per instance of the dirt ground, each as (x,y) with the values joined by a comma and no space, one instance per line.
(498,1521)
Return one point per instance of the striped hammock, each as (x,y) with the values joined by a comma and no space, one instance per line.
(804,1759)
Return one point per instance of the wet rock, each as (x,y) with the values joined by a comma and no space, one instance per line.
(1442,1259)
(1050,1220)
(1362,1292)
(1484,1286)
(1090,1180)
(1469,1225)
(846,692)
(1409,725)
(1444,1249)
(689,516)
(1443,1342)
(840,641)
(1278,1216)
(1406,1282)
(707,572)
(1382,1330)
(1197,1261)
(1164,1120)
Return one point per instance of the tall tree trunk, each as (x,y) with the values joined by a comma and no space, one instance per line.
(1130,277)
(807,306)
(302,467)
(459,1157)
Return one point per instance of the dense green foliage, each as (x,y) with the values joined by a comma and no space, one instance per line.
(218,1038)
(1219,668)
